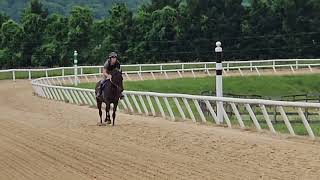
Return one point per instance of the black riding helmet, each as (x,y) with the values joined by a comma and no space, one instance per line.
(113,54)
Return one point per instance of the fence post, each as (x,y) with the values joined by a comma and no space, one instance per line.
(29,74)
(273,64)
(13,75)
(75,54)
(219,93)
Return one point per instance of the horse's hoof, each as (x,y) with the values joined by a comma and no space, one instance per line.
(100,124)
(108,122)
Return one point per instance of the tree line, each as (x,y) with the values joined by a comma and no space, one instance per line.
(163,31)
(13,8)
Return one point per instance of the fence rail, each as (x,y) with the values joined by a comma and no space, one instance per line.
(255,66)
(247,113)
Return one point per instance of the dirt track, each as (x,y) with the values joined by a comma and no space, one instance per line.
(42,139)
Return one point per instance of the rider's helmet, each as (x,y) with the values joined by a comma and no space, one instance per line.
(113,54)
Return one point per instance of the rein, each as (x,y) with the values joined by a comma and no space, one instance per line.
(115,84)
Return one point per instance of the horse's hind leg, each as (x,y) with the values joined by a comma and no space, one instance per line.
(115,105)
(108,120)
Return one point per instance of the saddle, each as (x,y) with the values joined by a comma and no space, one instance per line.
(103,83)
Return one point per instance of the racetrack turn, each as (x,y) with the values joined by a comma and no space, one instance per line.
(44,139)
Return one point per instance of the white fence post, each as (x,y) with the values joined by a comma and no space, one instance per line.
(213,114)
(143,105)
(128,103)
(13,75)
(151,106)
(136,104)
(267,118)
(185,101)
(305,123)
(29,72)
(286,120)
(179,108)
(203,118)
(253,117)
(160,107)
(236,112)
(169,108)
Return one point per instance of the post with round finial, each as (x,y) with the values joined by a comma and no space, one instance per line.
(75,61)
(219,87)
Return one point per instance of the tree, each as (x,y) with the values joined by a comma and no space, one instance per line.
(46,55)
(118,28)
(80,23)
(34,24)
(56,35)
(11,35)
(9,59)
(3,18)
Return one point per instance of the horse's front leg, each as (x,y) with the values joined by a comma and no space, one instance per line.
(99,105)
(115,105)
(108,120)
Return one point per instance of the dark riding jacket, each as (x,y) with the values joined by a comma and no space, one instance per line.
(109,68)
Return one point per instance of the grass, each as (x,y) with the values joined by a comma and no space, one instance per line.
(250,85)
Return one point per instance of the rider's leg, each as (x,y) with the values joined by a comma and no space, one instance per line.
(101,86)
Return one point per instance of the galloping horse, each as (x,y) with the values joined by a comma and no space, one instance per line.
(110,95)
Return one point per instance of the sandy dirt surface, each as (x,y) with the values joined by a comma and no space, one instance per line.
(42,139)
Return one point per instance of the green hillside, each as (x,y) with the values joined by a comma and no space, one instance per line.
(99,8)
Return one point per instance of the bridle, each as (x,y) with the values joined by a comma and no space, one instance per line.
(115,85)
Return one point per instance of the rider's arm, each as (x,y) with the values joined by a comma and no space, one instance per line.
(105,70)
(106,66)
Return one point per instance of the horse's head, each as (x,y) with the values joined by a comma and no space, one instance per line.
(117,79)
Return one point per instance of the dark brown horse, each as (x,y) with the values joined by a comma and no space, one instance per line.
(110,95)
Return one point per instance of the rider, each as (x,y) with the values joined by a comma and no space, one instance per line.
(112,63)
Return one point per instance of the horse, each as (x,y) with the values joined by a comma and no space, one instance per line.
(111,93)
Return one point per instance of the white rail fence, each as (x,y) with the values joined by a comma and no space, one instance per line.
(240,113)
(235,66)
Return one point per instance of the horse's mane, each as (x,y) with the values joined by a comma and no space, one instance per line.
(117,78)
